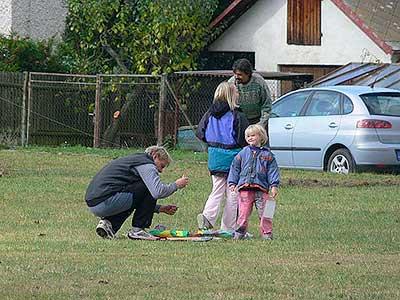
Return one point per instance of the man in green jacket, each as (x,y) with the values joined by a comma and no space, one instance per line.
(254,94)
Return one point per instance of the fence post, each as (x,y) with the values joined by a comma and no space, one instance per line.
(176,96)
(97,113)
(28,109)
(161,109)
(23,112)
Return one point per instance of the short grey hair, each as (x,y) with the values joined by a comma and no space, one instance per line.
(160,152)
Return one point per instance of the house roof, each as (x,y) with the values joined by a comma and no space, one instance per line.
(232,13)
(378,19)
(369,74)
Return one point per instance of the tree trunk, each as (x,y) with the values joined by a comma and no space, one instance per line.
(110,135)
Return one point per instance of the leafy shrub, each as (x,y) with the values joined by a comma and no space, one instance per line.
(24,54)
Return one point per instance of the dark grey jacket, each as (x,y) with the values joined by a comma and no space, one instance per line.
(119,175)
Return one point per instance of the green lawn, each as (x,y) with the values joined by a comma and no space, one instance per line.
(336,237)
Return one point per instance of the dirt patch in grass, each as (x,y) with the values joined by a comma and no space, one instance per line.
(327,183)
(4,171)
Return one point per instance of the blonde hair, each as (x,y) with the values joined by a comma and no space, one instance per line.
(160,152)
(257,129)
(227,91)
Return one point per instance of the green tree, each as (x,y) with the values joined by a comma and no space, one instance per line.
(136,36)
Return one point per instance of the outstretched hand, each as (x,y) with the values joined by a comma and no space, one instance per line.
(169,209)
(182,182)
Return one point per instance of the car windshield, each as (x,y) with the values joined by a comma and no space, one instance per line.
(387,104)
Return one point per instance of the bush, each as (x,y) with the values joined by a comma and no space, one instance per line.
(24,54)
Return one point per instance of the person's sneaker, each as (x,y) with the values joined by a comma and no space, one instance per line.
(141,234)
(248,235)
(239,235)
(105,230)
(268,236)
(202,222)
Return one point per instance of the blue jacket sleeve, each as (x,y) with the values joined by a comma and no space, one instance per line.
(273,175)
(234,172)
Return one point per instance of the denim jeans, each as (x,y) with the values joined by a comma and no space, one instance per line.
(120,206)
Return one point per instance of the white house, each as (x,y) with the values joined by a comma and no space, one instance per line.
(310,36)
(37,19)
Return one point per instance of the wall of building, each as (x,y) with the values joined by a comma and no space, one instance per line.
(5,16)
(262,29)
(37,19)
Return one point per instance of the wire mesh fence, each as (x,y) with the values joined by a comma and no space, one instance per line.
(110,110)
(11,107)
(128,110)
(101,110)
(60,109)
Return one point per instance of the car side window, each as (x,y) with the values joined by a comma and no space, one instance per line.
(347,105)
(290,106)
(324,103)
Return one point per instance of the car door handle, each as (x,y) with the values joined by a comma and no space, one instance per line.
(333,125)
(288,126)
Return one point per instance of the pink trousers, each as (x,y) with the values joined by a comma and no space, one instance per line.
(246,200)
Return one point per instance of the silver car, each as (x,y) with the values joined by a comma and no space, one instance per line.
(339,129)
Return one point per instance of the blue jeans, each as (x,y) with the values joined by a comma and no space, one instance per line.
(116,204)
(120,206)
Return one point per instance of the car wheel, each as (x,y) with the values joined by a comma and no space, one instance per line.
(341,161)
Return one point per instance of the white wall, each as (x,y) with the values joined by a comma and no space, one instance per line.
(37,19)
(5,16)
(262,29)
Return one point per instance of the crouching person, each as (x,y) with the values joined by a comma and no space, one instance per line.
(131,184)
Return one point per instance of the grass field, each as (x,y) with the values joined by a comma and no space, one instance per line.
(336,237)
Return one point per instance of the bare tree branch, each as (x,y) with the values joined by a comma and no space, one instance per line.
(116,57)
